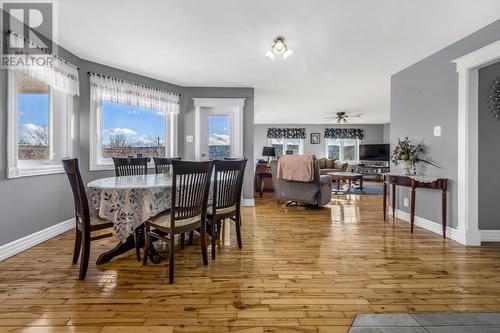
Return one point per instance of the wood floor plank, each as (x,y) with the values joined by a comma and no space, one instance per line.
(299,271)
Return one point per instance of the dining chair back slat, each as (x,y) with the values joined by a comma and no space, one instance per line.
(72,170)
(163,164)
(190,187)
(228,183)
(130,166)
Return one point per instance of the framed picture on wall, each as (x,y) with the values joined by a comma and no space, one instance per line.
(315,138)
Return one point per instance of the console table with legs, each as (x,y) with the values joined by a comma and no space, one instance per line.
(415,182)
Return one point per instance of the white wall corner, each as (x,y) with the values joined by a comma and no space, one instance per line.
(10,249)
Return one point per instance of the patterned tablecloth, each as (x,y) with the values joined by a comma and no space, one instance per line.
(128,201)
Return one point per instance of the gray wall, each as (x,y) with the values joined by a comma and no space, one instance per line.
(188,116)
(387,133)
(373,134)
(30,204)
(489,158)
(424,95)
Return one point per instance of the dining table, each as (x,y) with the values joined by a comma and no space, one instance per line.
(128,201)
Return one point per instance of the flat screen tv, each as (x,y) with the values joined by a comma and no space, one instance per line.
(374,152)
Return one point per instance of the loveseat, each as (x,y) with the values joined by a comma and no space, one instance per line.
(326,165)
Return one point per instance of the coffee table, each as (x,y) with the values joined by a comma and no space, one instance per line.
(347,176)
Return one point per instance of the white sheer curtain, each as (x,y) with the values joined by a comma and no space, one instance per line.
(118,91)
(57,73)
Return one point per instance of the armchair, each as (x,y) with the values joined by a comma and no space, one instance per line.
(318,192)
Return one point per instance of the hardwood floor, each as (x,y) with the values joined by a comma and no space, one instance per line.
(299,271)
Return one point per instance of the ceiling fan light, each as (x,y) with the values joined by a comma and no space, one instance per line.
(287,53)
(269,55)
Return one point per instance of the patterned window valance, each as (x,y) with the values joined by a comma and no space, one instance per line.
(286,133)
(344,133)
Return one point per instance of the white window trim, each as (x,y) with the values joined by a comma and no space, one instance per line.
(95,127)
(285,144)
(341,152)
(14,170)
(237,139)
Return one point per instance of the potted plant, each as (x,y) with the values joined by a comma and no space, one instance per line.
(406,153)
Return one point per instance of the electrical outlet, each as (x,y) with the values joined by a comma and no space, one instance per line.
(406,202)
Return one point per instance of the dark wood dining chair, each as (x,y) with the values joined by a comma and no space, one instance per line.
(130,166)
(164,163)
(189,196)
(85,224)
(226,198)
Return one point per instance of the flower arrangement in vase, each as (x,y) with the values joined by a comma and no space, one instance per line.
(406,153)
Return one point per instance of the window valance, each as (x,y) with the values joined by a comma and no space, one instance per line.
(123,92)
(48,68)
(286,133)
(344,133)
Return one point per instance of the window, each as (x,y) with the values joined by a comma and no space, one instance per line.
(40,127)
(219,137)
(129,120)
(128,131)
(282,145)
(343,149)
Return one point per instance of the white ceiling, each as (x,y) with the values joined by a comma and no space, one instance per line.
(345,50)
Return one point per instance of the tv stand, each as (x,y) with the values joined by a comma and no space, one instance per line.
(375,169)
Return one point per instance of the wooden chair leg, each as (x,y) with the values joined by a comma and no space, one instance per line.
(84,261)
(136,241)
(191,235)
(203,233)
(171,260)
(146,244)
(78,245)
(183,240)
(238,230)
(213,232)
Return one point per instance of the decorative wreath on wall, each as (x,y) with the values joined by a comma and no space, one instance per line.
(494,102)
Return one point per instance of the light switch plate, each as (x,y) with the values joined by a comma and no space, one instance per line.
(437,130)
(406,202)
(189,138)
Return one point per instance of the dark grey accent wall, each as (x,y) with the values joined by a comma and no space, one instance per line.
(489,158)
(30,204)
(188,119)
(373,134)
(424,95)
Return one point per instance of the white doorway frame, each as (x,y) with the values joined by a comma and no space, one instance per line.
(236,104)
(468,127)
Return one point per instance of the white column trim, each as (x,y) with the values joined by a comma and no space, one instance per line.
(467,183)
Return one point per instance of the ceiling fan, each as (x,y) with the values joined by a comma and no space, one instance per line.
(342,116)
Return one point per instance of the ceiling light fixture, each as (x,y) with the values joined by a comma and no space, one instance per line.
(279,48)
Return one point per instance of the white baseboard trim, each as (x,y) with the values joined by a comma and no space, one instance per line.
(248,202)
(10,249)
(459,235)
(490,235)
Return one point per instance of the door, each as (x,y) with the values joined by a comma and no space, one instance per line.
(217,137)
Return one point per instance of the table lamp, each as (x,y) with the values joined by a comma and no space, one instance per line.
(268,151)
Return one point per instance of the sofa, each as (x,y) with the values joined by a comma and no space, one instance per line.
(318,192)
(326,165)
